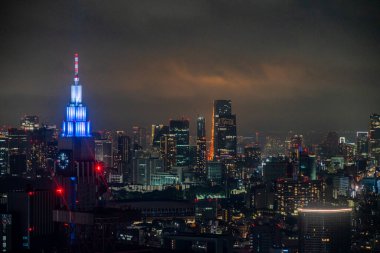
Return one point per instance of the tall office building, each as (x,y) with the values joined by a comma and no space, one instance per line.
(223,134)
(103,152)
(139,137)
(348,151)
(215,172)
(144,165)
(307,165)
(330,146)
(18,145)
(76,166)
(4,154)
(201,146)
(277,167)
(180,128)
(168,151)
(341,186)
(76,131)
(361,144)
(76,123)
(374,137)
(40,142)
(324,230)
(157,132)
(122,158)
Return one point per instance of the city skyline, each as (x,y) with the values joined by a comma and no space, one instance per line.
(307,66)
(189,126)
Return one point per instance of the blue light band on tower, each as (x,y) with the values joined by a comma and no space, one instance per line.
(76,123)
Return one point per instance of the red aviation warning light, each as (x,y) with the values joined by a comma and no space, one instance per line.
(59,191)
(98,168)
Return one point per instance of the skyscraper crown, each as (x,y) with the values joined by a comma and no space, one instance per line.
(76,123)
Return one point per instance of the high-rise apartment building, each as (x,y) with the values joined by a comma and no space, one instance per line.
(293,194)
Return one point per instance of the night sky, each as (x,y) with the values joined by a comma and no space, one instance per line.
(285,65)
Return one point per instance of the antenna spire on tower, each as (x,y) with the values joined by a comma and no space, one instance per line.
(76,68)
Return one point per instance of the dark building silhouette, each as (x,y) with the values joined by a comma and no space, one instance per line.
(324,230)
(307,166)
(157,132)
(32,221)
(123,155)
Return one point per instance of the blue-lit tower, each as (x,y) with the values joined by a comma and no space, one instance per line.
(78,177)
(76,123)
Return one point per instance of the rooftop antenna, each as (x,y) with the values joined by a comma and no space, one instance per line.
(76,68)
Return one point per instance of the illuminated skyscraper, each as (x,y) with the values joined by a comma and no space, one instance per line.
(76,123)
(223,139)
(76,164)
(180,128)
(201,145)
(374,137)
(76,135)
(168,151)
